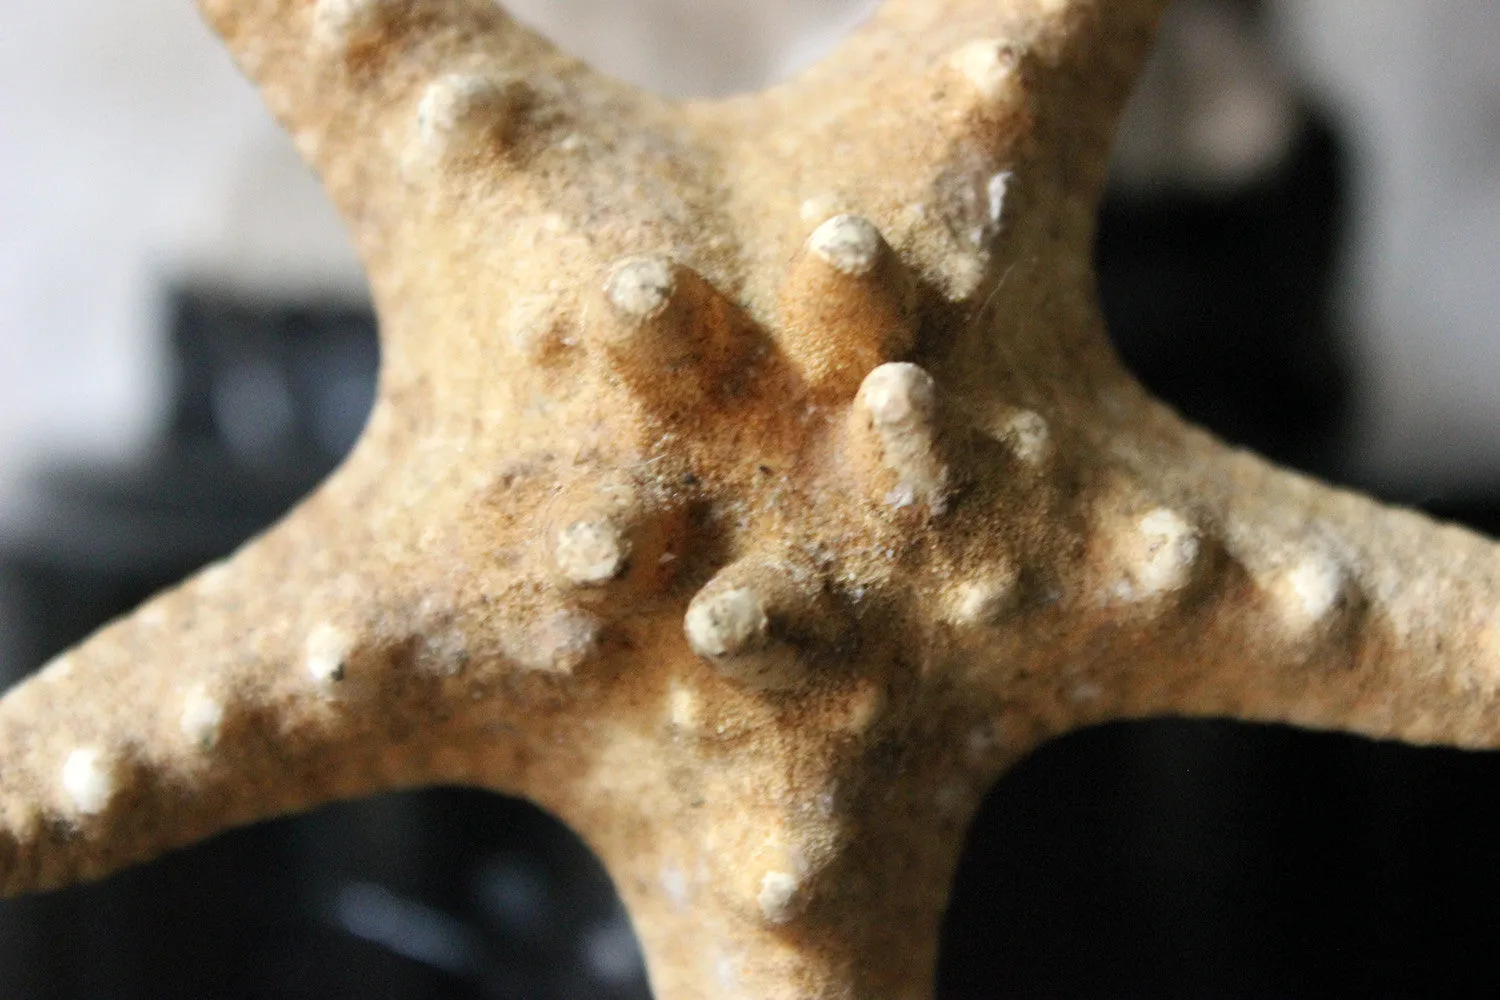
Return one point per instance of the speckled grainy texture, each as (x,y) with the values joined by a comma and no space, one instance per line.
(751,539)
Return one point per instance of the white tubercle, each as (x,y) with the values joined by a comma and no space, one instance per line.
(990,68)
(848,243)
(727,622)
(458,108)
(591,553)
(901,400)
(326,654)
(778,896)
(560,642)
(684,708)
(201,718)
(1027,435)
(983,601)
(535,326)
(345,24)
(88,780)
(1160,553)
(641,287)
(1309,589)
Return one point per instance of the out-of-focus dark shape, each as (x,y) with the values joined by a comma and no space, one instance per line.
(1219,241)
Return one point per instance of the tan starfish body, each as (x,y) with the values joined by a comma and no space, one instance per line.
(750,483)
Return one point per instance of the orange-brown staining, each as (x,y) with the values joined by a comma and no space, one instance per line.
(847,305)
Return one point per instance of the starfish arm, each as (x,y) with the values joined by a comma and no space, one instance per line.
(395,102)
(1329,610)
(975,135)
(279,679)
(1188,578)
(758,860)
(1056,72)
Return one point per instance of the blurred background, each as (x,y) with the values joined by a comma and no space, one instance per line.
(1299,249)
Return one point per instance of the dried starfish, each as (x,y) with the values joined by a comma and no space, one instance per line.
(751,483)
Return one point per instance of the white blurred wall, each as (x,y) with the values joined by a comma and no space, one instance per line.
(1420,84)
(131,152)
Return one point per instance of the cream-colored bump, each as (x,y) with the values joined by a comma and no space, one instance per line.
(326,655)
(347,24)
(728,622)
(560,642)
(778,896)
(684,708)
(1161,552)
(202,717)
(990,67)
(1028,437)
(88,780)
(463,104)
(900,396)
(1309,590)
(641,287)
(818,207)
(848,243)
(674,885)
(983,601)
(214,578)
(901,400)
(591,553)
(535,326)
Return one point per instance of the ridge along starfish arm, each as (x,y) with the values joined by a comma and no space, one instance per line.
(750,484)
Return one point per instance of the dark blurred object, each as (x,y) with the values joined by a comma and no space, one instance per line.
(1214,859)
(1220,301)
(1219,240)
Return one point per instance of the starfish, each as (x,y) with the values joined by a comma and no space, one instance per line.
(750,484)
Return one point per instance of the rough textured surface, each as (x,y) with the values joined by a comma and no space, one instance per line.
(750,484)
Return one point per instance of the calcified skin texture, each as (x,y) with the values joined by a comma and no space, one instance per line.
(750,484)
